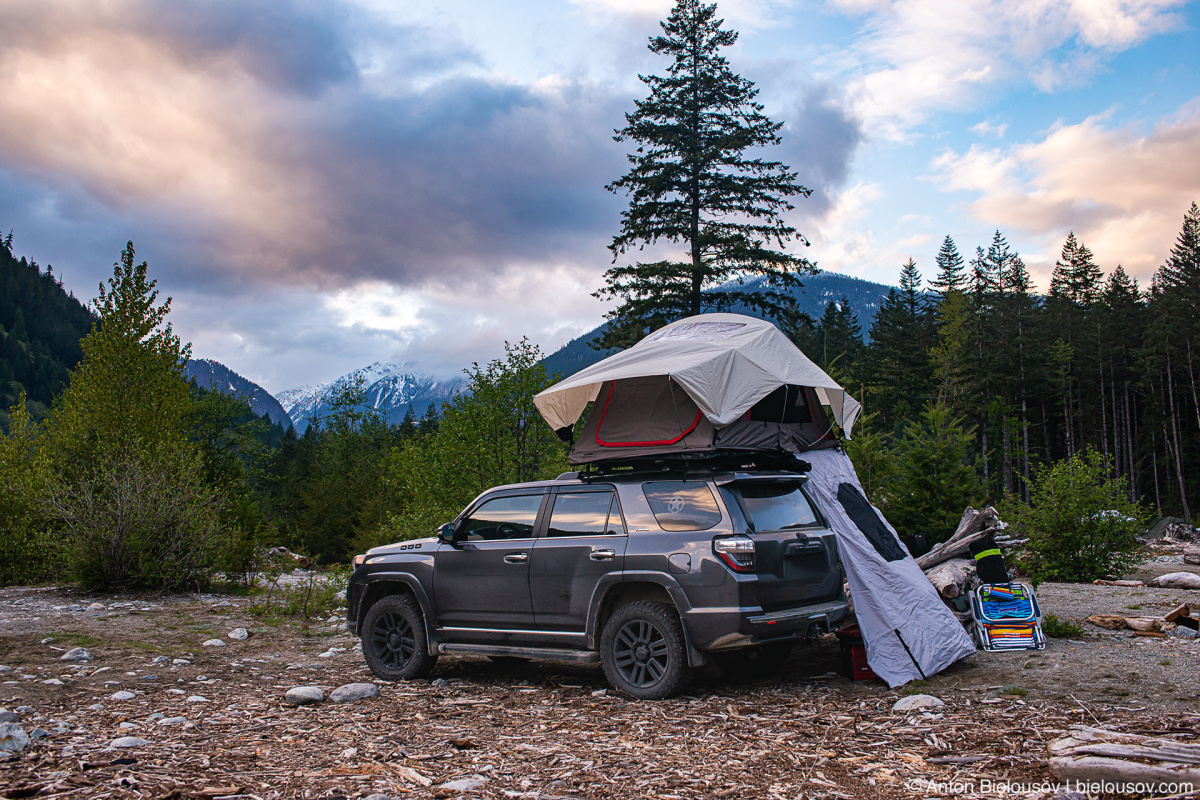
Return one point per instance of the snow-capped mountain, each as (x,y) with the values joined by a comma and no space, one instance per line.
(391,388)
(215,376)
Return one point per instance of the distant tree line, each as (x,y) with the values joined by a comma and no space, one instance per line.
(1097,362)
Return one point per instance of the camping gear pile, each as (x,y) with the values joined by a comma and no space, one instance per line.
(734,387)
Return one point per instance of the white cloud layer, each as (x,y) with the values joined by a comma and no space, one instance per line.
(916,57)
(1121,189)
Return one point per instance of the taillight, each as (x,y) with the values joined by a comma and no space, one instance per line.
(736,551)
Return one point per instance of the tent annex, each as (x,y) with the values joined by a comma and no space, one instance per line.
(705,383)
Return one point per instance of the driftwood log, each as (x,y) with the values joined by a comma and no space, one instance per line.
(1191,554)
(953,578)
(975,525)
(1094,755)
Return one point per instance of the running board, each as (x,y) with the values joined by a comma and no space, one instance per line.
(536,653)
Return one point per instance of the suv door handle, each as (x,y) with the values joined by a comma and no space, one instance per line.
(603,555)
(516,558)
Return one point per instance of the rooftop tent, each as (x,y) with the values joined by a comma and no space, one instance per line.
(704,383)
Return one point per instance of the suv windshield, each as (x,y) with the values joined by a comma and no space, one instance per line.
(776,506)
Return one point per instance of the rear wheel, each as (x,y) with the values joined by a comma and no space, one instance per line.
(753,663)
(643,651)
(394,642)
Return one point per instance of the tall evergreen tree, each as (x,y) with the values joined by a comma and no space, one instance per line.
(692,183)
(950,277)
(902,335)
(839,343)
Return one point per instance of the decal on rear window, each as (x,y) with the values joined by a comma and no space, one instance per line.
(682,505)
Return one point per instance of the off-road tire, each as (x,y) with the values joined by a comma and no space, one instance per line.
(643,651)
(753,663)
(394,641)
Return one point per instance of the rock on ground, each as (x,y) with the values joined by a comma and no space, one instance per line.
(214,643)
(916,701)
(12,737)
(240,634)
(76,654)
(354,691)
(303,696)
(128,741)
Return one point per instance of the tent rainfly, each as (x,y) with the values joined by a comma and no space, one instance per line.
(705,383)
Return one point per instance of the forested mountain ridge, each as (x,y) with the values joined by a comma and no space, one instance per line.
(216,377)
(41,324)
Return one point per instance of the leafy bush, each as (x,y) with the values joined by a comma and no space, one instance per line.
(1081,524)
(1060,628)
(30,553)
(141,520)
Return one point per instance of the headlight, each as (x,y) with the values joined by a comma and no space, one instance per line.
(358,560)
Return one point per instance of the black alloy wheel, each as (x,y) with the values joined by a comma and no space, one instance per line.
(643,651)
(394,642)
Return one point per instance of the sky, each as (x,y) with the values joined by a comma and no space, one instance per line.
(319,185)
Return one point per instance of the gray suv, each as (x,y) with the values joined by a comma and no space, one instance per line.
(650,573)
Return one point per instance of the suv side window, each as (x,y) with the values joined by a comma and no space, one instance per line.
(585,514)
(511,517)
(682,505)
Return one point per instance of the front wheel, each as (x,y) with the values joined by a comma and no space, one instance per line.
(394,642)
(643,651)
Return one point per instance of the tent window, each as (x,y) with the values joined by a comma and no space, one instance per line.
(863,515)
(682,505)
(787,404)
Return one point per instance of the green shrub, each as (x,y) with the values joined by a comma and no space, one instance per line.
(30,553)
(143,520)
(1080,523)
(1060,628)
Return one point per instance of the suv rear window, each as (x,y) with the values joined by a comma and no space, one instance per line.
(776,506)
(682,505)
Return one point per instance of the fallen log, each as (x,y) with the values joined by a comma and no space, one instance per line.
(1191,554)
(1113,622)
(1144,623)
(1096,755)
(954,577)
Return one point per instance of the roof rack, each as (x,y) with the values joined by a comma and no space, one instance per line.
(693,463)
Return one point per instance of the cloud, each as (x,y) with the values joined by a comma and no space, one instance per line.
(280,145)
(738,14)
(1121,189)
(916,57)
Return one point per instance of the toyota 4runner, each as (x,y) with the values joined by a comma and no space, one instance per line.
(650,573)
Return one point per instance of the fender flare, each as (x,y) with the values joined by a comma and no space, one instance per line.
(614,580)
(409,580)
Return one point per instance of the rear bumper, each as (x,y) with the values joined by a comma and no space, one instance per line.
(731,628)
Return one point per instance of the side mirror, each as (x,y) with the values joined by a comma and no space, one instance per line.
(446,533)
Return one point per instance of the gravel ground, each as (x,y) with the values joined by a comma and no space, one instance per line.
(547,731)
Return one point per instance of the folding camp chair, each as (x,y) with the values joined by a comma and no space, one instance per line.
(1007,617)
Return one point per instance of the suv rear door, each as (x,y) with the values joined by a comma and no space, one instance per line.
(796,558)
(583,541)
